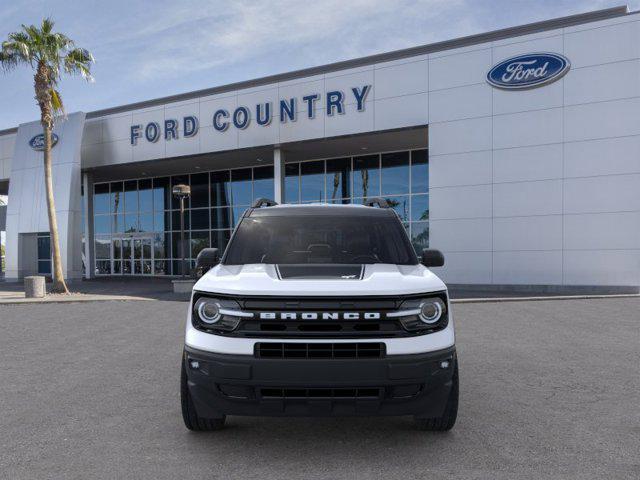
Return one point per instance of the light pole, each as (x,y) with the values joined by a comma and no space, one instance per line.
(182,192)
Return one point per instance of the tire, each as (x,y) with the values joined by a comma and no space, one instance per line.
(448,418)
(191,419)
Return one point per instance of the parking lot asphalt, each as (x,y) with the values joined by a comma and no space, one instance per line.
(549,389)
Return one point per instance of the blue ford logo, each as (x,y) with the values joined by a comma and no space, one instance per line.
(37,142)
(528,71)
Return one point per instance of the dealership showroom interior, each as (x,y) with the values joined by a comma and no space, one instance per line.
(523,177)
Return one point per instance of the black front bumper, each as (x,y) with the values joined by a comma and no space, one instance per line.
(244,385)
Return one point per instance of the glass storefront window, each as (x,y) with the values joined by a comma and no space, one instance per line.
(131,196)
(145,195)
(419,207)
(292,182)
(220,189)
(161,194)
(101,199)
(420,236)
(400,205)
(395,173)
(200,219)
(220,218)
(312,181)
(117,192)
(220,198)
(366,176)
(338,179)
(200,190)
(241,193)
(419,171)
(263,182)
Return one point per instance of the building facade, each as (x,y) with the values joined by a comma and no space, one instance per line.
(515,152)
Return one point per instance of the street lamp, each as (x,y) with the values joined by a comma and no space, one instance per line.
(181,192)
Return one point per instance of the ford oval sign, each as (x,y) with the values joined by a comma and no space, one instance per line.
(528,71)
(37,142)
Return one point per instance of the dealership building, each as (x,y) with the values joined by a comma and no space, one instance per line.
(516,152)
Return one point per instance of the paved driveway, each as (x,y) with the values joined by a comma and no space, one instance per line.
(548,390)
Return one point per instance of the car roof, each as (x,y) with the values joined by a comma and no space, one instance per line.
(323,209)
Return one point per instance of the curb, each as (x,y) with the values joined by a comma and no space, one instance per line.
(541,299)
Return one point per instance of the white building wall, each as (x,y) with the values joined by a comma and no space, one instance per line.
(543,184)
(539,186)
(7,143)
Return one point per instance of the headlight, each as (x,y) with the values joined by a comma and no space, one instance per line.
(431,311)
(208,309)
(423,314)
(214,314)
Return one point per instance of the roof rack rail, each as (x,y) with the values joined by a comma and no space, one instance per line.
(380,202)
(263,202)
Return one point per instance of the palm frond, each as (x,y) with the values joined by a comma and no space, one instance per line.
(56,101)
(78,61)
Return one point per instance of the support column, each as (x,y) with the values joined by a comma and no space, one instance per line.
(87,205)
(278,175)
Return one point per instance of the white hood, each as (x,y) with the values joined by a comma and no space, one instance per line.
(263,279)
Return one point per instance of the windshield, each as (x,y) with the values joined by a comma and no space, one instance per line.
(320,239)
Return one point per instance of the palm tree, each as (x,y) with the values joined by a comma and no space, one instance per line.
(48,54)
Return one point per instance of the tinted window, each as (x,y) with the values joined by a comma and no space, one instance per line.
(320,239)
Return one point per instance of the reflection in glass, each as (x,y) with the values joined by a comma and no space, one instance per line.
(420,171)
(200,219)
(220,238)
(419,207)
(116,197)
(366,176)
(199,240)
(145,195)
(146,222)
(117,248)
(338,179)
(200,190)
(161,194)
(236,214)
(159,245)
(103,267)
(103,247)
(395,173)
(126,267)
(101,198)
(117,268)
(263,182)
(312,181)
(220,218)
(220,191)
(130,196)
(420,236)
(102,224)
(292,182)
(400,205)
(159,223)
(241,186)
(160,267)
(130,223)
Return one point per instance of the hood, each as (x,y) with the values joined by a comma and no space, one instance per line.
(319,280)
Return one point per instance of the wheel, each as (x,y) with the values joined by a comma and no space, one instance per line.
(191,419)
(448,418)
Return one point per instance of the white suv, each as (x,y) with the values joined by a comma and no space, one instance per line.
(319,310)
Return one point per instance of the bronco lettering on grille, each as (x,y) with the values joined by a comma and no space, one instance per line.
(319,316)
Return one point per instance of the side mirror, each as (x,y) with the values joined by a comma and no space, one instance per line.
(207,259)
(432,258)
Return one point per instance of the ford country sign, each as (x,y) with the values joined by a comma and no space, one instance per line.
(528,71)
(37,142)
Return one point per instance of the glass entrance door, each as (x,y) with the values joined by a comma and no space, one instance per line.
(132,255)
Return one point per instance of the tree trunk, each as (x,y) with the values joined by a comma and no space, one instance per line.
(59,285)
(42,85)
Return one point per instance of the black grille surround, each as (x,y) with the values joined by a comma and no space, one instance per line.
(383,327)
(299,350)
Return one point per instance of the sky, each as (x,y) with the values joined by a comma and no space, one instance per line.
(148,49)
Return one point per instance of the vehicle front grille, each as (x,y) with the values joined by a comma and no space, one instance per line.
(320,350)
(327,393)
